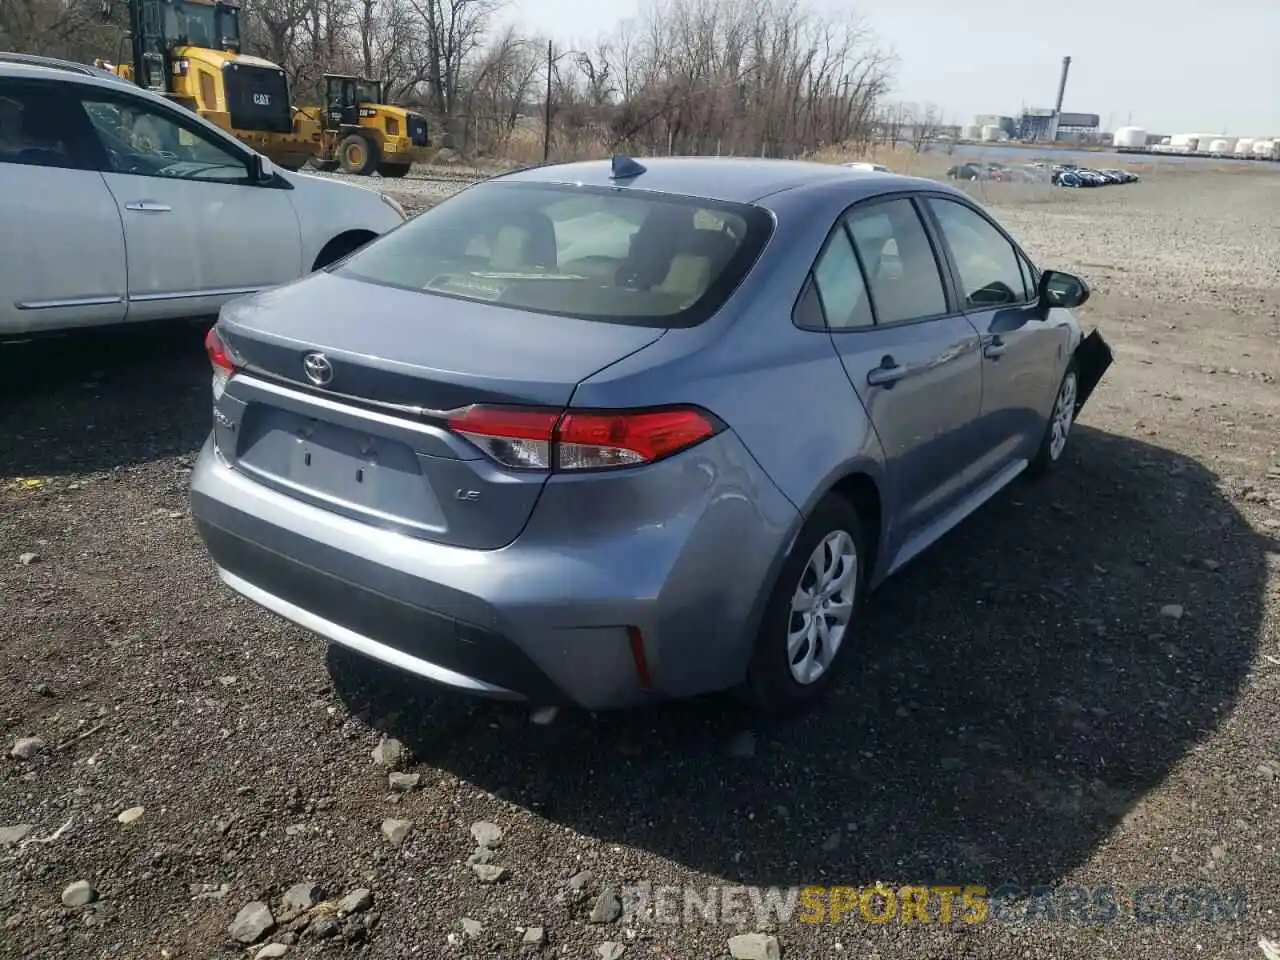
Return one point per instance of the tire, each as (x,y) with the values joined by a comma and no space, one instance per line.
(1058,430)
(393,171)
(774,684)
(325,166)
(358,155)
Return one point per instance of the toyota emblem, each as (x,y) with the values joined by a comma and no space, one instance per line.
(317,368)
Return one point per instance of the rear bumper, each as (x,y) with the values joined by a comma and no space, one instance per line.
(544,619)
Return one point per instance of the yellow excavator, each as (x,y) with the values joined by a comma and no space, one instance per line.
(189,51)
(360,134)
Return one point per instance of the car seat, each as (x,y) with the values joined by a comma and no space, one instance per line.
(526,241)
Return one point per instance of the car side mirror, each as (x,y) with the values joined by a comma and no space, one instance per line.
(261,169)
(1063,290)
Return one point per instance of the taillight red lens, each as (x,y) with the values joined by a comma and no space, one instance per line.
(218,355)
(582,440)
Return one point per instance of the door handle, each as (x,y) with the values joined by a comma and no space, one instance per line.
(994,349)
(148,206)
(888,373)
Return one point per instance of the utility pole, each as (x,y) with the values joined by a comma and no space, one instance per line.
(546,131)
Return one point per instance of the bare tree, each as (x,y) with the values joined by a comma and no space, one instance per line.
(759,77)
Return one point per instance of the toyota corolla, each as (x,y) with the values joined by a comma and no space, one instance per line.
(606,432)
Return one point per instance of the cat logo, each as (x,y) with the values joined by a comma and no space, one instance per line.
(262,99)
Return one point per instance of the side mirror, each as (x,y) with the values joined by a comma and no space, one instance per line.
(1064,290)
(261,169)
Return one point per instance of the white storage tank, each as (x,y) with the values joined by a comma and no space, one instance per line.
(1219,146)
(970,131)
(1267,149)
(991,133)
(1184,141)
(1130,137)
(1244,147)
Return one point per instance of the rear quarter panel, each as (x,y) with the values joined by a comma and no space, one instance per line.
(781,389)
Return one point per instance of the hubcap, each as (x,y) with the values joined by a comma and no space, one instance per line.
(355,156)
(822,607)
(1064,412)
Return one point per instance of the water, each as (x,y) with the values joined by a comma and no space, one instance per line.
(1084,158)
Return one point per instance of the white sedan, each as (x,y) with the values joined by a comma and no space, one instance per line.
(119,205)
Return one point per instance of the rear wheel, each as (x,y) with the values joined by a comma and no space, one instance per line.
(807,634)
(393,171)
(358,155)
(325,166)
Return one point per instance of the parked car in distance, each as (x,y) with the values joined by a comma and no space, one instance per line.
(604,433)
(132,208)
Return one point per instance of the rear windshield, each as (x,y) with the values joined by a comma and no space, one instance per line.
(618,255)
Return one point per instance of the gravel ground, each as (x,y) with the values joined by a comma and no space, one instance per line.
(1079,686)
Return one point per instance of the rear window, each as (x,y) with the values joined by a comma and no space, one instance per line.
(598,253)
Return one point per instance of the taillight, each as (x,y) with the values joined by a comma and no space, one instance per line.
(534,439)
(220,358)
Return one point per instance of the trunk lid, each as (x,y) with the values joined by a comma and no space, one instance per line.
(370,442)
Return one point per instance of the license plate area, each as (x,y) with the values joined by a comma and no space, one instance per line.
(336,466)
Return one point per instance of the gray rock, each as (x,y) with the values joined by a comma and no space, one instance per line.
(323,929)
(743,745)
(12,836)
(27,559)
(129,816)
(301,896)
(833,841)
(486,834)
(252,923)
(608,907)
(1172,611)
(356,901)
(391,753)
(754,946)
(271,950)
(490,873)
(472,928)
(544,716)
(611,950)
(535,935)
(482,855)
(404,782)
(396,830)
(580,880)
(26,748)
(79,894)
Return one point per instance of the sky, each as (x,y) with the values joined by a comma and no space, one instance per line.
(1165,65)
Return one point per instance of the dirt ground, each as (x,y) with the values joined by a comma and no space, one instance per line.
(1077,687)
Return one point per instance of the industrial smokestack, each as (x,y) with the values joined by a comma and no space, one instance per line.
(1062,85)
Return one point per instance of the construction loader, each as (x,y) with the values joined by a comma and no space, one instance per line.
(189,50)
(360,134)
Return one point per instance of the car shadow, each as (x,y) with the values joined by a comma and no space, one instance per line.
(88,402)
(1018,692)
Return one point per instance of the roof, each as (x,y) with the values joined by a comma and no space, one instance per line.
(42,64)
(733,179)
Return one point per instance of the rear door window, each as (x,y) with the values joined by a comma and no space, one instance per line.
(905,280)
(615,255)
(41,127)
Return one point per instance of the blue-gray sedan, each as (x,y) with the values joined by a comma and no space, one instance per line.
(601,433)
